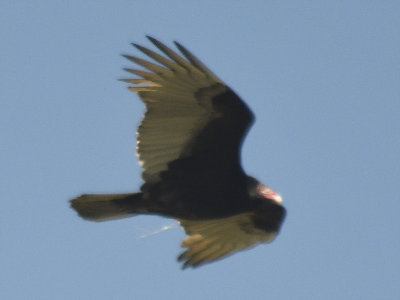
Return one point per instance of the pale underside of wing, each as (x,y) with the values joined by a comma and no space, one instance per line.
(210,240)
(174,116)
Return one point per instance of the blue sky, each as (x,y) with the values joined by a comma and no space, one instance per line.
(323,80)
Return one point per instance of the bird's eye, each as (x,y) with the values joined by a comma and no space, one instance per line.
(263,190)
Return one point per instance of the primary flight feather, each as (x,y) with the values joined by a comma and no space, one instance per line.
(189,147)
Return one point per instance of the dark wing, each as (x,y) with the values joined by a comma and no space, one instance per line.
(185,102)
(209,240)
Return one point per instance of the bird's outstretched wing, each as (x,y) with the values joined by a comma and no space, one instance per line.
(209,240)
(189,111)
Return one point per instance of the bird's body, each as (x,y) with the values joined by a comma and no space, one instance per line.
(189,146)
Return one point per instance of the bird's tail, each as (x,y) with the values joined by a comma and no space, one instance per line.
(102,207)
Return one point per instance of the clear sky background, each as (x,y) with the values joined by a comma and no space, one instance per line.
(323,78)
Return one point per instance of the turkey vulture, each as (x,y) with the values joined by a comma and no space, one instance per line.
(189,147)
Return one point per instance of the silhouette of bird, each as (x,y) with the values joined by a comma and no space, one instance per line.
(188,144)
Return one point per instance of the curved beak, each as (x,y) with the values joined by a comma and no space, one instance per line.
(270,194)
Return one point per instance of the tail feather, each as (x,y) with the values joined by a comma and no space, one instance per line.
(102,207)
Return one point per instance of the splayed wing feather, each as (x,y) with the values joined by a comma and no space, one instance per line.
(209,240)
(174,115)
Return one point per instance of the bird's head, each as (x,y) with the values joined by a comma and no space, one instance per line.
(268,211)
(268,193)
(258,190)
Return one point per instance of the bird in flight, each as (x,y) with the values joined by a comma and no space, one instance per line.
(188,145)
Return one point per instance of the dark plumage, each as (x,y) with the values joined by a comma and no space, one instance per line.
(189,146)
